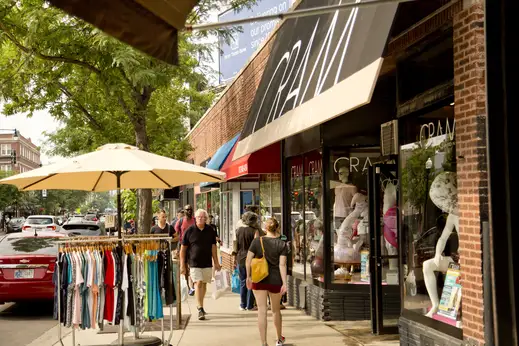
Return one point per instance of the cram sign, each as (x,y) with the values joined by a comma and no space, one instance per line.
(341,49)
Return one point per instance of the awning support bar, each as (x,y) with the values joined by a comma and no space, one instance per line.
(292,14)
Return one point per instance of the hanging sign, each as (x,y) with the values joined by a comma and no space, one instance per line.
(450,301)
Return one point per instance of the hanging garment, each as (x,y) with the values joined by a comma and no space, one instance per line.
(130,312)
(101,278)
(70,289)
(118,290)
(77,291)
(169,288)
(124,290)
(109,287)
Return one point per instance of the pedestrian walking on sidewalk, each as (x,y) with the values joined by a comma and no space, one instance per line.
(275,284)
(244,237)
(199,244)
(181,227)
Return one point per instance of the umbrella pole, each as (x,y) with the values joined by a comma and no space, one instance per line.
(119,204)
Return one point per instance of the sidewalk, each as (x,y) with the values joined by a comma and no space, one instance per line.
(227,325)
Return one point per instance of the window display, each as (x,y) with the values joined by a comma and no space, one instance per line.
(306,214)
(430,219)
(350,215)
(270,197)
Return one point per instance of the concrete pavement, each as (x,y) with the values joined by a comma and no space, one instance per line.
(227,325)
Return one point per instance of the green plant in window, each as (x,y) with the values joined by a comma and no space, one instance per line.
(415,176)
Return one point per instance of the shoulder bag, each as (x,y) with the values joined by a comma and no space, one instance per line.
(260,266)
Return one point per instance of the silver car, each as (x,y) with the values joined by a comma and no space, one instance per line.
(83,228)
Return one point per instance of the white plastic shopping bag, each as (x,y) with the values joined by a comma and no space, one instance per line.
(220,283)
(184,289)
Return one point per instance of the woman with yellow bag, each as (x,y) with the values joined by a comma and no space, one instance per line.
(267,276)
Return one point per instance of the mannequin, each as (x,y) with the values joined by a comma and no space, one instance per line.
(344,251)
(444,194)
(389,212)
(344,193)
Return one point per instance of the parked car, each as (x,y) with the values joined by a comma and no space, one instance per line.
(38,223)
(27,264)
(91,217)
(15,225)
(75,218)
(83,228)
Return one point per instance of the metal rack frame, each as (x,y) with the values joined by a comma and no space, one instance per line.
(120,241)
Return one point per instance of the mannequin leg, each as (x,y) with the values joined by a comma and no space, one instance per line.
(429,267)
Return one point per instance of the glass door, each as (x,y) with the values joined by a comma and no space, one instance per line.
(383,255)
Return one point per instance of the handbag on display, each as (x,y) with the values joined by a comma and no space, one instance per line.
(260,266)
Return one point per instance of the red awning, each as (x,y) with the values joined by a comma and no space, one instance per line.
(264,161)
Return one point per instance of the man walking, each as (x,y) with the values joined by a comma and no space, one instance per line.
(180,228)
(199,242)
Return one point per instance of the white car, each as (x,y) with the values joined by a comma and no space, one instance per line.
(38,223)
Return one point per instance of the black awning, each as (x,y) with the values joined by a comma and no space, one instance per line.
(149,26)
(319,68)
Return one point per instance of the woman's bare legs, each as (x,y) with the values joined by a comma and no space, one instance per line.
(261,301)
(275,304)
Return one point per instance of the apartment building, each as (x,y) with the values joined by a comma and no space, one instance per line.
(27,153)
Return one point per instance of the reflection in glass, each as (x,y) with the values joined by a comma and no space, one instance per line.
(430,221)
(29,245)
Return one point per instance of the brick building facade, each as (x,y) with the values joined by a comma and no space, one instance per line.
(27,153)
(470,112)
(465,17)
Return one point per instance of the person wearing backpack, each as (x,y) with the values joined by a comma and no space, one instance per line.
(269,254)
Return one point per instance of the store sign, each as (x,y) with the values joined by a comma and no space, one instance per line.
(243,169)
(319,68)
(431,130)
(355,164)
(313,162)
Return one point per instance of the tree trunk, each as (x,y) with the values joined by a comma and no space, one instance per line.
(144,212)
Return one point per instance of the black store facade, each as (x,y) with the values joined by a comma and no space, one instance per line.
(358,151)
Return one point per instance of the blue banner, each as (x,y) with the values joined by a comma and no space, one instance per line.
(233,56)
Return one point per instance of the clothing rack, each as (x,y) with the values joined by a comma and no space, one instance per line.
(120,242)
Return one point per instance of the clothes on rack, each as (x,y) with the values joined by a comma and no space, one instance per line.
(112,286)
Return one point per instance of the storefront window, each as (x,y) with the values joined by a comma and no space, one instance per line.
(430,222)
(349,213)
(214,206)
(226,218)
(201,201)
(306,211)
(270,197)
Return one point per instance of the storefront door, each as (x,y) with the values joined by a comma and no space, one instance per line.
(383,254)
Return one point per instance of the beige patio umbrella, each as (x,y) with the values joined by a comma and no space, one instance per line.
(114,167)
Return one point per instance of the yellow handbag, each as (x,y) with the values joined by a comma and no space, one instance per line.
(260,266)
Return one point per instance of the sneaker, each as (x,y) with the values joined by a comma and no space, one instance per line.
(201,314)
(192,292)
(281,341)
(255,308)
(242,309)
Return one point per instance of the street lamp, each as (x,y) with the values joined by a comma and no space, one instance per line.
(15,135)
(428,166)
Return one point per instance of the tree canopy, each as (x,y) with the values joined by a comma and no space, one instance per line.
(100,89)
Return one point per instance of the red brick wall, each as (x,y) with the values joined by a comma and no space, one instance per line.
(470,113)
(227,117)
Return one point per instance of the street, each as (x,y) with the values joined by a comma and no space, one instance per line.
(21,323)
